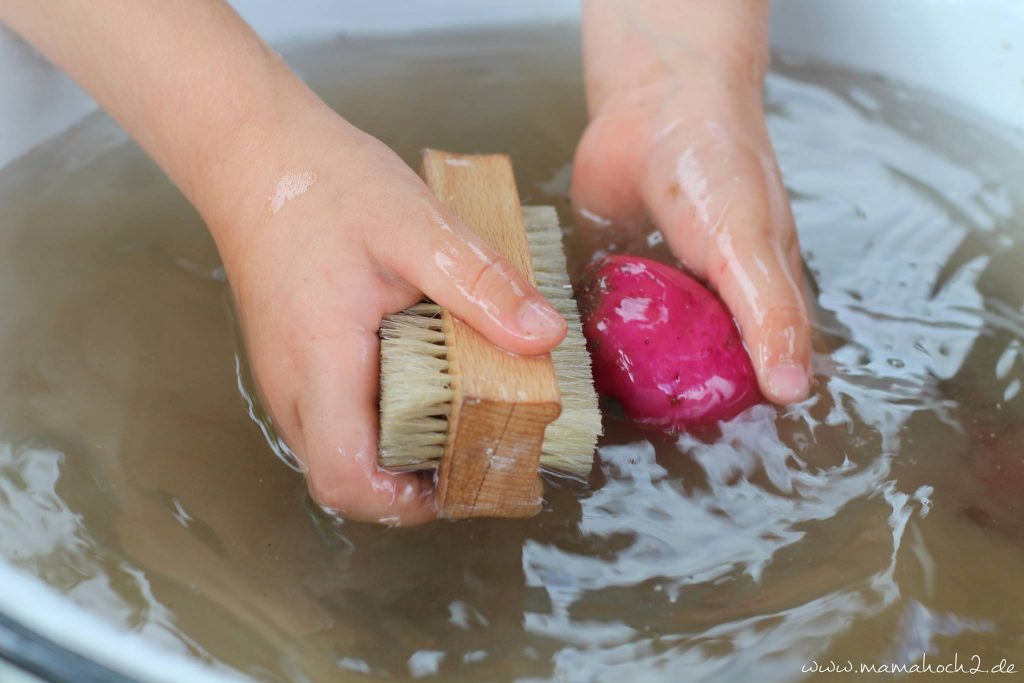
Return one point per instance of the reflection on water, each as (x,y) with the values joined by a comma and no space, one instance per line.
(880,519)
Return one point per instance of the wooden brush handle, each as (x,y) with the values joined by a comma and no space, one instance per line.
(501,402)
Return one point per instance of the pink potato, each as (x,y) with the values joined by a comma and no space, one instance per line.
(663,345)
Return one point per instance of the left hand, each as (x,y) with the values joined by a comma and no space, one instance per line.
(677,132)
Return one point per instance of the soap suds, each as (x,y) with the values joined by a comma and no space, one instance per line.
(290,186)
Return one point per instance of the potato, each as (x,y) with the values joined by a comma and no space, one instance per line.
(663,345)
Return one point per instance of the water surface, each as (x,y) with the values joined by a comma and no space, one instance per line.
(879,519)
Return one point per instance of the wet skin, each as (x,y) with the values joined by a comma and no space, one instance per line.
(323,230)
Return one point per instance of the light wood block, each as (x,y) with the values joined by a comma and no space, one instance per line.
(502,402)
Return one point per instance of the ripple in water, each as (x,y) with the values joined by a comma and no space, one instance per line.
(880,519)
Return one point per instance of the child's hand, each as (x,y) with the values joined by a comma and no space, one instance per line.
(677,132)
(322,229)
(360,237)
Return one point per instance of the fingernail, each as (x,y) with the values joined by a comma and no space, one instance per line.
(788,382)
(538,319)
(778,340)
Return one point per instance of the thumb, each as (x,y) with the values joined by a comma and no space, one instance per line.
(461,272)
(604,186)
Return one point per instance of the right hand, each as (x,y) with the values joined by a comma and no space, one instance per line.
(313,279)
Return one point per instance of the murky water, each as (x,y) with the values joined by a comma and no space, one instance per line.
(881,518)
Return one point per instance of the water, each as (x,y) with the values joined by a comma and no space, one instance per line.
(879,519)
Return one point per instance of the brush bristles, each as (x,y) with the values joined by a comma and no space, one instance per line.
(415,393)
(569,441)
(415,389)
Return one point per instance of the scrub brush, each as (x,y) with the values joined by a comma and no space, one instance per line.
(450,399)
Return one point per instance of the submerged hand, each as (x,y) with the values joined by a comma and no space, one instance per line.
(677,132)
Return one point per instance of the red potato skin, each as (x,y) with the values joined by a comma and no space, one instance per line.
(663,345)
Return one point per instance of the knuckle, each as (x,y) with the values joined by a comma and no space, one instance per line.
(747,59)
(492,275)
(327,493)
(340,478)
(784,316)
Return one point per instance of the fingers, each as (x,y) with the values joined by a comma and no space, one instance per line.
(458,270)
(725,213)
(338,420)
